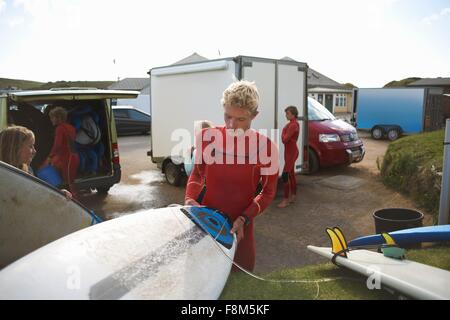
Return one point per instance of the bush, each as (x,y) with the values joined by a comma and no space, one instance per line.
(413,166)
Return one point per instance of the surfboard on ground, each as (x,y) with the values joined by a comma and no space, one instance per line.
(410,278)
(408,236)
(167,253)
(389,269)
(33,214)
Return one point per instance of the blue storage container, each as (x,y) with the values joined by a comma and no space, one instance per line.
(50,175)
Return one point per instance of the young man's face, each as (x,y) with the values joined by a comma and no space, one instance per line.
(238,118)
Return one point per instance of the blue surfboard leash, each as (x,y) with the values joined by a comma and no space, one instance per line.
(314,281)
(95,218)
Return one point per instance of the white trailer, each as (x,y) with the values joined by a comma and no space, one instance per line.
(181,95)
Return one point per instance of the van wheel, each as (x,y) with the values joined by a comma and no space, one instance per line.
(393,134)
(377,133)
(173,173)
(313,162)
(103,190)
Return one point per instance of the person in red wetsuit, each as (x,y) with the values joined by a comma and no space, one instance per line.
(63,155)
(233,160)
(289,138)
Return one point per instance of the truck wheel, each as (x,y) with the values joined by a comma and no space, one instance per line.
(377,133)
(173,173)
(313,162)
(103,190)
(393,134)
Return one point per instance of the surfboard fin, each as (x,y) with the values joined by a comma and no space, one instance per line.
(391,249)
(388,239)
(338,242)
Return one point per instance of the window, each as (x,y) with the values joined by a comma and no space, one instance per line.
(136,115)
(317,112)
(340,100)
(120,113)
(320,98)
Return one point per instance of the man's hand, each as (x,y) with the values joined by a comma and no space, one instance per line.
(238,227)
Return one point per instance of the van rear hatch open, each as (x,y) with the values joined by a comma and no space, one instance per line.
(71,94)
(30,109)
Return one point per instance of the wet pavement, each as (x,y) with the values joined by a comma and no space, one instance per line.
(142,186)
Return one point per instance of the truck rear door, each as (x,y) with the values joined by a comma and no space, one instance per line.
(280,84)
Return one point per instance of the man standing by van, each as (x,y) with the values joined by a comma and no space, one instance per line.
(289,137)
(231,161)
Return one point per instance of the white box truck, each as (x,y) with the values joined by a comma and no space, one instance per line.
(181,95)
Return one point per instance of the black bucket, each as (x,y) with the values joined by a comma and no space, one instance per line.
(393,219)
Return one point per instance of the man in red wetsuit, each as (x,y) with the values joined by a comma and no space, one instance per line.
(63,156)
(289,138)
(231,162)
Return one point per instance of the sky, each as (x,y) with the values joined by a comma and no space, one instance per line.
(364,42)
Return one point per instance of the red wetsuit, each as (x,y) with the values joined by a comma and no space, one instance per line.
(231,187)
(65,160)
(289,138)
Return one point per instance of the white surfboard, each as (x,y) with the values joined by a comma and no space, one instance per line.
(413,279)
(33,214)
(153,254)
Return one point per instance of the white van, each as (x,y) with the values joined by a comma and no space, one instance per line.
(183,94)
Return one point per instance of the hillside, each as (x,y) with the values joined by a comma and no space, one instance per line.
(401,83)
(21,84)
(34,85)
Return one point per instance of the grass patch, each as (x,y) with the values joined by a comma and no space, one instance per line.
(349,286)
(411,166)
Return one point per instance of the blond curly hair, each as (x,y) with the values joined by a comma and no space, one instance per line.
(59,113)
(243,94)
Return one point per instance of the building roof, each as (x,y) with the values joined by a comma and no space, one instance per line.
(318,80)
(437,82)
(195,57)
(131,84)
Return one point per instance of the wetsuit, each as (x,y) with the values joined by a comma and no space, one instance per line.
(64,158)
(230,184)
(289,138)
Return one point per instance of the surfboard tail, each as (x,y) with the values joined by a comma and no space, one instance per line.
(339,245)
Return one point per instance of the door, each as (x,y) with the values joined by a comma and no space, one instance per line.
(280,85)
(291,86)
(122,118)
(329,102)
(3,112)
(139,121)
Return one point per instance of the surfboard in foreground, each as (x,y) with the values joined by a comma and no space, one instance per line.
(33,214)
(155,254)
(415,280)
(407,236)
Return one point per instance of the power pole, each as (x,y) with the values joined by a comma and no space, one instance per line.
(444,205)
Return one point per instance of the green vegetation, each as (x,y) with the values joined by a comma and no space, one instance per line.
(20,84)
(67,84)
(401,83)
(33,85)
(348,286)
(350,85)
(411,166)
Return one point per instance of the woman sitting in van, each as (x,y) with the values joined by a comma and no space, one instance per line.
(63,154)
(17,149)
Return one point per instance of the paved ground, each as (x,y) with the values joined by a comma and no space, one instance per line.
(343,196)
